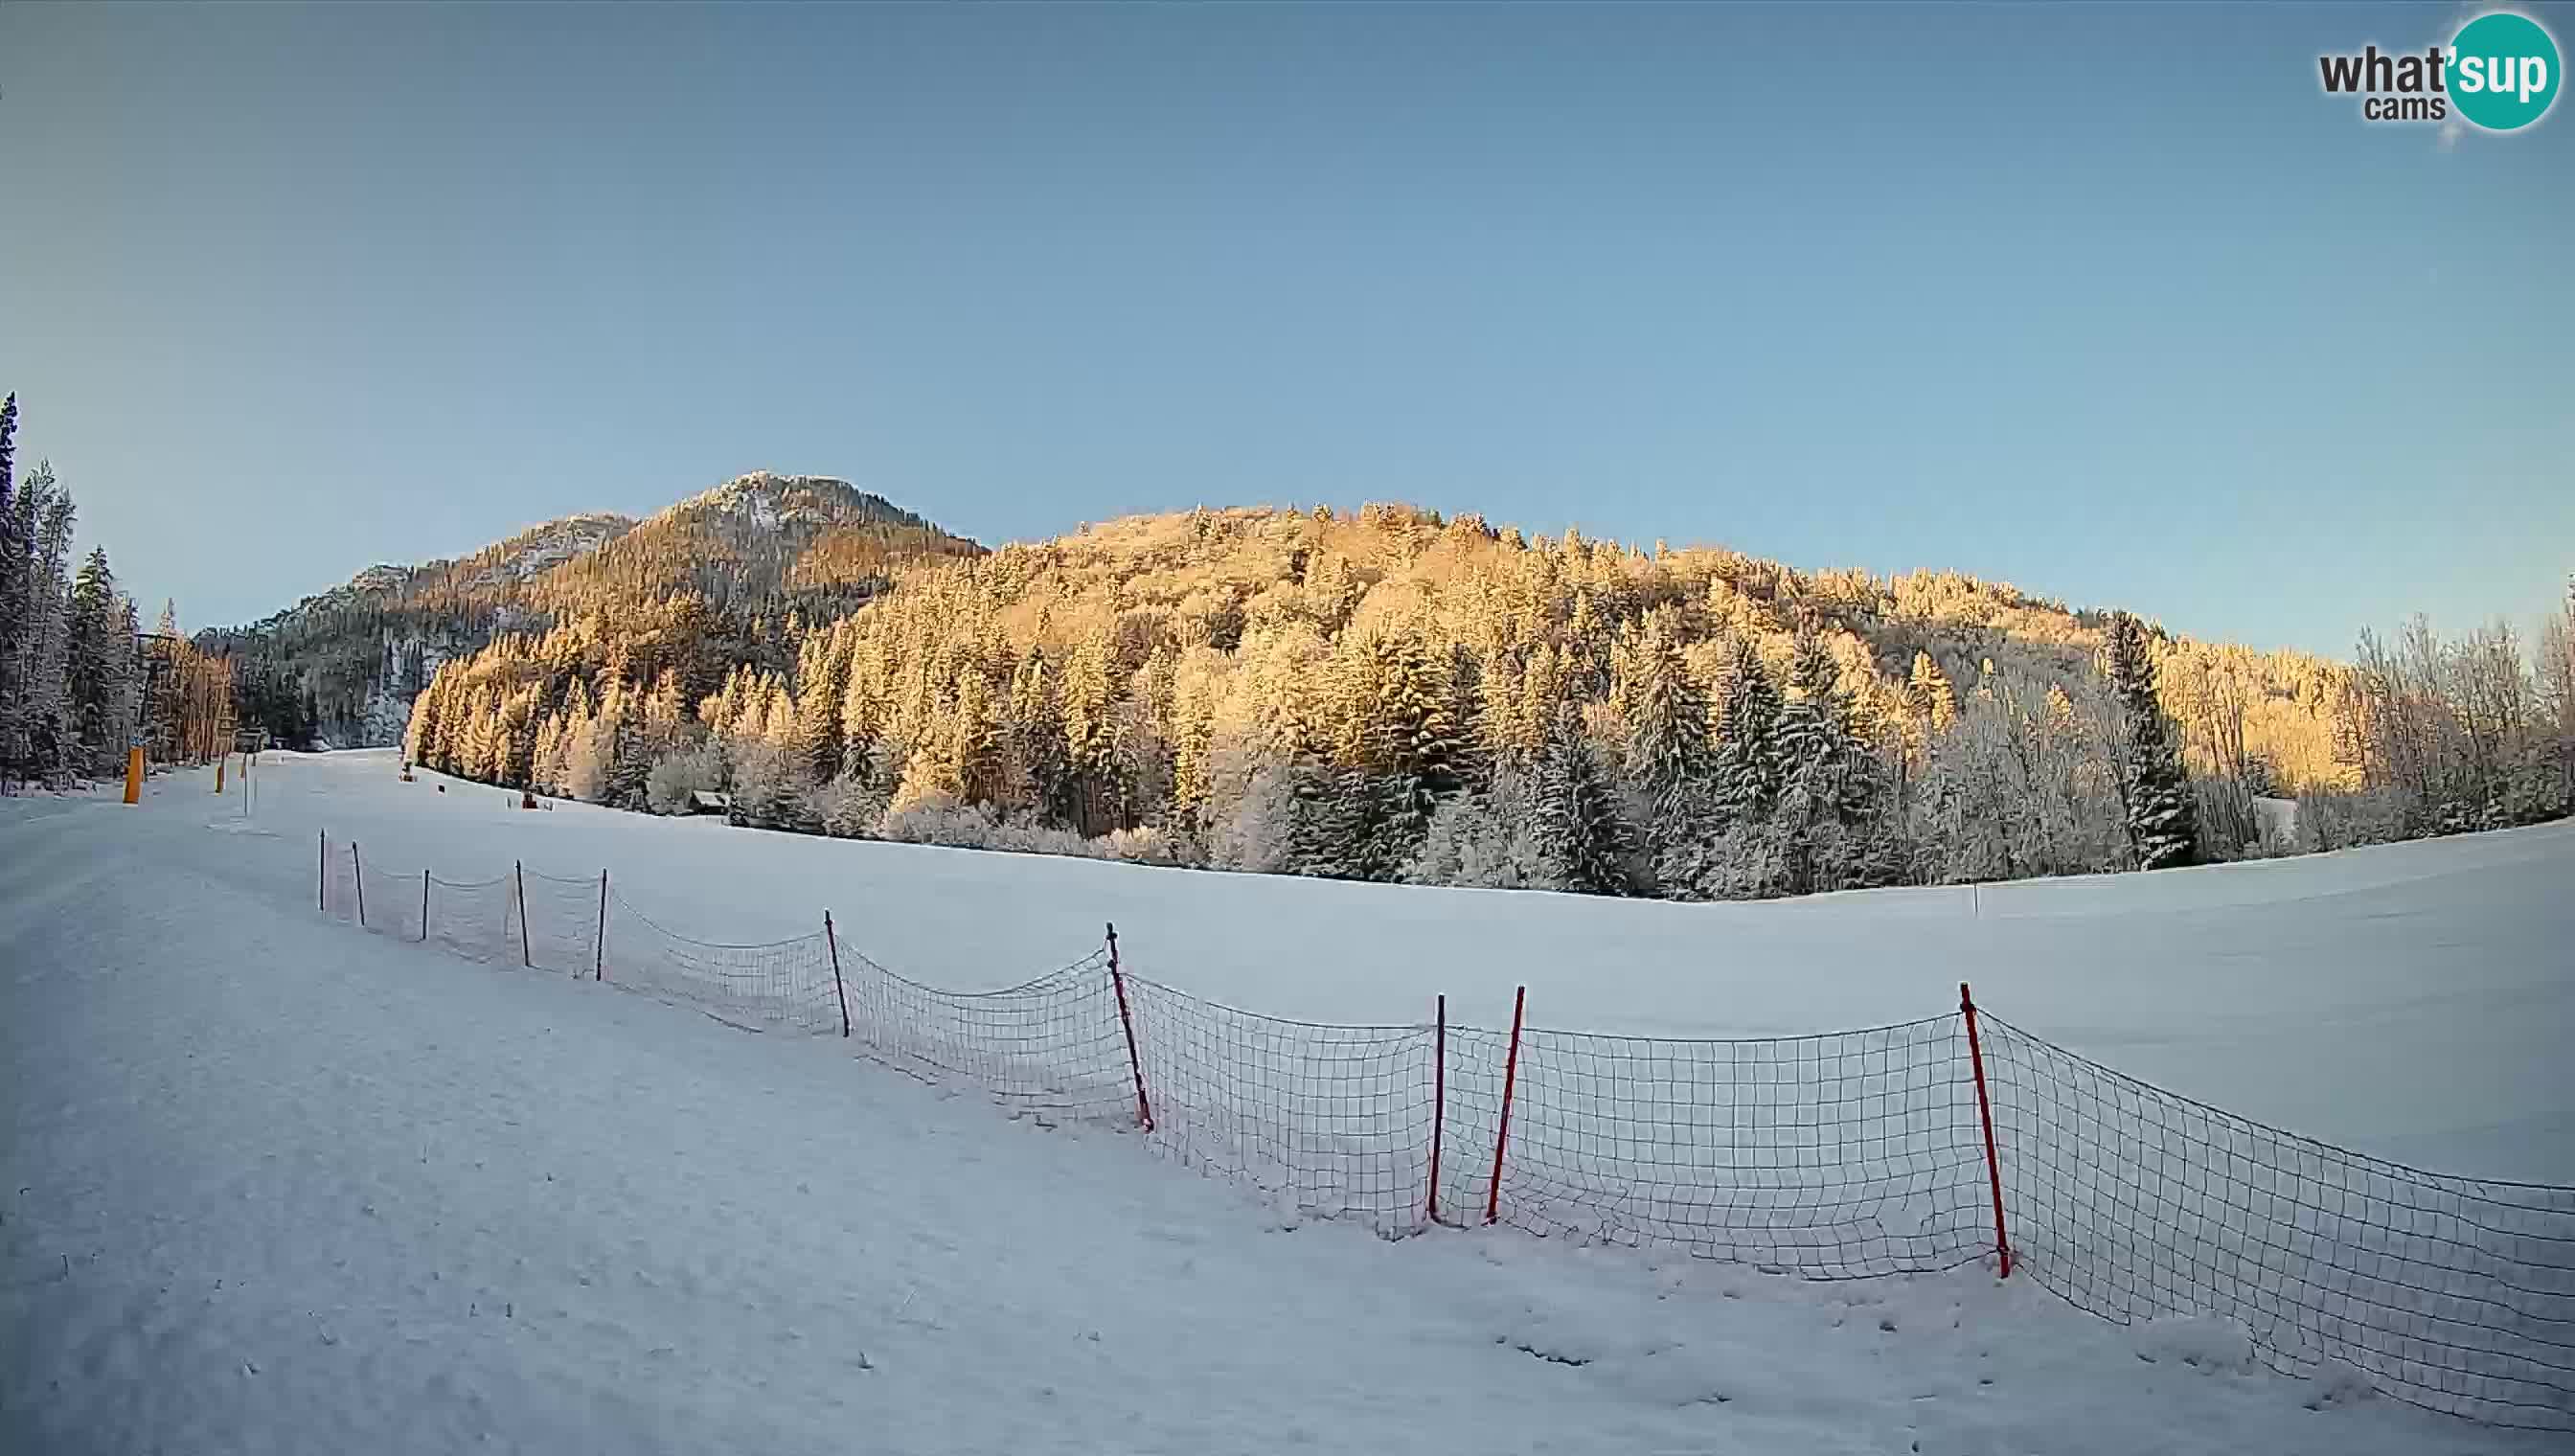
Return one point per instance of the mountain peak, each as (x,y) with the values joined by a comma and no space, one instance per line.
(762,541)
(768,501)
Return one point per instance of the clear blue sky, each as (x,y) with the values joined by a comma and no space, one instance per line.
(2108,302)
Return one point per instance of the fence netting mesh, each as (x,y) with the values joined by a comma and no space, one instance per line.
(477,919)
(371,896)
(1833,1157)
(1051,1046)
(543,921)
(553,922)
(1335,1120)
(1840,1155)
(2132,1203)
(779,984)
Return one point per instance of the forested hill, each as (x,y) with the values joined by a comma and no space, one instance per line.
(343,665)
(1396,696)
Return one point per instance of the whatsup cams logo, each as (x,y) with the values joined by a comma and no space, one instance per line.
(2499,73)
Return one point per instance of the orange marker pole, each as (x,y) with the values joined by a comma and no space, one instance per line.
(1986,1108)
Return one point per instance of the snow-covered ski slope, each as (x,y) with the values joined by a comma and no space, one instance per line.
(2414,1001)
(278,1177)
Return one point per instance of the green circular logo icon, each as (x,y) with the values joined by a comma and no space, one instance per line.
(2503,71)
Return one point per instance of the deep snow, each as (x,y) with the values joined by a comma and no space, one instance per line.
(2410,1000)
(274,1185)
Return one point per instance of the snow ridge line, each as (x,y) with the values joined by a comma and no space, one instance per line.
(1835,1155)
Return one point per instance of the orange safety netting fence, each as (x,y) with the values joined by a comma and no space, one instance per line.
(1897,1149)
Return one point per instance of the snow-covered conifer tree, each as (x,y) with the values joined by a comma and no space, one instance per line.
(104,680)
(2163,813)
(1574,824)
(1748,757)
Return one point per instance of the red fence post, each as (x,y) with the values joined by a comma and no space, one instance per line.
(599,948)
(1510,1080)
(1126,1019)
(1438,1099)
(838,993)
(1986,1108)
(519,874)
(357,870)
(424,905)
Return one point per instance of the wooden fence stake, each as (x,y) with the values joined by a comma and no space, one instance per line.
(1510,1082)
(1125,1019)
(1986,1108)
(357,870)
(519,872)
(599,948)
(424,905)
(838,993)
